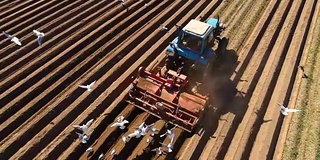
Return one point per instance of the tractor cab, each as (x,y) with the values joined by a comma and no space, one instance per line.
(195,41)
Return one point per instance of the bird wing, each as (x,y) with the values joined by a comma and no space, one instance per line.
(7,34)
(82,86)
(100,156)
(76,126)
(92,83)
(40,40)
(88,124)
(115,124)
(36,32)
(79,135)
(16,41)
(293,110)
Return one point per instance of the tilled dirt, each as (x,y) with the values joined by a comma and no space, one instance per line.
(101,40)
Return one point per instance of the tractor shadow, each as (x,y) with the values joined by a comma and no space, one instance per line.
(222,92)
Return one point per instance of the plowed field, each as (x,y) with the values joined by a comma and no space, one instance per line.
(84,41)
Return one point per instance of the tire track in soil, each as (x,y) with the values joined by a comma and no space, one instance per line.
(25,28)
(172,25)
(48,83)
(9,64)
(205,144)
(157,26)
(284,83)
(21,9)
(46,69)
(298,89)
(261,47)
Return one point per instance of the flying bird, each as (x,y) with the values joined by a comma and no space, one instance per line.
(101,156)
(120,124)
(284,110)
(12,38)
(88,87)
(40,36)
(169,132)
(163,28)
(84,138)
(168,146)
(145,129)
(113,152)
(120,119)
(83,127)
(124,139)
(159,150)
(89,150)
(154,131)
(136,133)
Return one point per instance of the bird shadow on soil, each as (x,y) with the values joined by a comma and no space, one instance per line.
(222,91)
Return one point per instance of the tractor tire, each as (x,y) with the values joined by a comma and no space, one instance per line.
(222,47)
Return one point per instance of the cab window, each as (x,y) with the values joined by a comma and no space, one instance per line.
(191,42)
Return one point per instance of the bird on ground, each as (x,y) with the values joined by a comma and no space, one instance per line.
(168,146)
(169,132)
(101,156)
(136,133)
(284,110)
(83,127)
(113,152)
(89,150)
(159,150)
(304,74)
(163,28)
(84,138)
(154,131)
(124,139)
(40,36)
(89,86)
(120,124)
(12,38)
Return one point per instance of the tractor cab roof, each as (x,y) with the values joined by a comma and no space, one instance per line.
(197,28)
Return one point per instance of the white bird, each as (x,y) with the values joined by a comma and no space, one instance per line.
(164,28)
(136,133)
(89,150)
(124,139)
(284,110)
(168,146)
(120,124)
(83,127)
(40,36)
(84,137)
(12,38)
(148,140)
(154,131)
(113,152)
(159,150)
(88,87)
(101,156)
(145,129)
(120,119)
(169,132)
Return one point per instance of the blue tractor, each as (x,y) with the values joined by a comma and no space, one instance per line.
(193,46)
